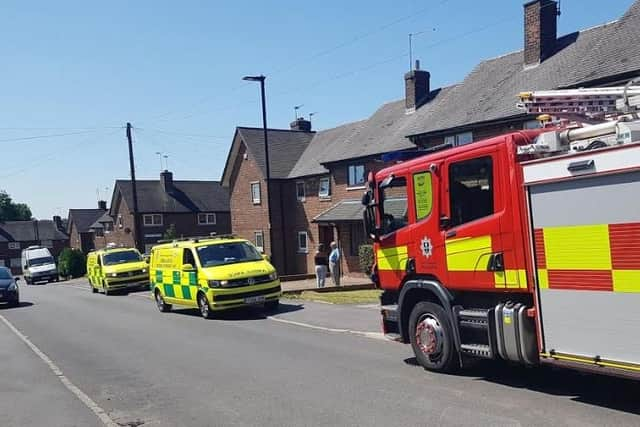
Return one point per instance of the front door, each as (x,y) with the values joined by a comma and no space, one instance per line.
(325,233)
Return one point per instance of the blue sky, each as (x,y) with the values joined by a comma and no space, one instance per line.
(80,70)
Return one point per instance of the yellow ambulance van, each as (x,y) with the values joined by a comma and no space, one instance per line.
(114,269)
(213,273)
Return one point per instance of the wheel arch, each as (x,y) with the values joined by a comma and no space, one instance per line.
(423,289)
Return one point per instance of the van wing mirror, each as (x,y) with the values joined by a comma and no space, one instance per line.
(187,267)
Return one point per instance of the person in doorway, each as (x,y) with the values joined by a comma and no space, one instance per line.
(334,263)
(321,262)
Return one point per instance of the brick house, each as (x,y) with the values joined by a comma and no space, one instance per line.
(194,208)
(322,190)
(18,235)
(79,222)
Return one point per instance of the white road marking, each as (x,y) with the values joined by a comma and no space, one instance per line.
(82,396)
(374,335)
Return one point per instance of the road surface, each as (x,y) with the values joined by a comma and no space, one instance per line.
(73,358)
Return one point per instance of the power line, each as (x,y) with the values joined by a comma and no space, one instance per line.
(27,138)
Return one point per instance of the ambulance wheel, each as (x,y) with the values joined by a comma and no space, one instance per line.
(105,290)
(94,290)
(203,305)
(162,306)
(432,338)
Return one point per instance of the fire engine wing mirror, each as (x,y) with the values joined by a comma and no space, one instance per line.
(387,181)
(366,198)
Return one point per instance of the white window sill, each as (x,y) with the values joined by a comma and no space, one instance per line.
(303,251)
(325,198)
(302,200)
(360,187)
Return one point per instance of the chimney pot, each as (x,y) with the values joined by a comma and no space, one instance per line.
(417,64)
(540,30)
(102,204)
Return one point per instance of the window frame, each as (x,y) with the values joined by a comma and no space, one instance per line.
(455,138)
(301,185)
(13,246)
(305,249)
(254,200)
(355,167)
(322,194)
(153,218)
(256,234)
(206,217)
(492,188)
(381,192)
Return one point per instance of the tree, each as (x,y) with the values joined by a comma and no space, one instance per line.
(71,263)
(170,233)
(10,211)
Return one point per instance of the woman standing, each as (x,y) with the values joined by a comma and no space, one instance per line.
(321,262)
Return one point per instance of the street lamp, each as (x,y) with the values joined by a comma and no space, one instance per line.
(261,79)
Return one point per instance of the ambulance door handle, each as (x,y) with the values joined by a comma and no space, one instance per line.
(452,233)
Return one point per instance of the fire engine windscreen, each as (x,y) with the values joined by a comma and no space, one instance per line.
(394,205)
(470,190)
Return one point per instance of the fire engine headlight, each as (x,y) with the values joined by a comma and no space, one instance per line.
(217,283)
(273,276)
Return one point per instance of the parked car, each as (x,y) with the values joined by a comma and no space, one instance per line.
(9,292)
(38,265)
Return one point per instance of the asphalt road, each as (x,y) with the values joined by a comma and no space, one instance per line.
(119,355)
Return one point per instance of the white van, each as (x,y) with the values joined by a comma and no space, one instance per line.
(38,265)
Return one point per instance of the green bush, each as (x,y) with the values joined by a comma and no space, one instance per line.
(365,258)
(72,263)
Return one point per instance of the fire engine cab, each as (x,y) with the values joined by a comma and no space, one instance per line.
(524,247)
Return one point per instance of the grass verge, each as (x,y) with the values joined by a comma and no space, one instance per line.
(366,296)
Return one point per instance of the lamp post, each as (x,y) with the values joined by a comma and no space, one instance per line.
(261,79)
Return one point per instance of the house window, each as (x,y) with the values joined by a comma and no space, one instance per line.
(324,189)
(356,175)
(303,242)
(258,238)
(206,218)
(459,139)
(471,190)
(14,245)
(300,193)
(255,193)
(152,220)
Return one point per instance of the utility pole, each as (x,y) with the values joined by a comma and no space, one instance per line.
(134,189)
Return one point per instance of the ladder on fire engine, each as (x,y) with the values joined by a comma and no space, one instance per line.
(594,103)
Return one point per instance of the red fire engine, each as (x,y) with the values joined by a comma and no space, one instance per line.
(524,247)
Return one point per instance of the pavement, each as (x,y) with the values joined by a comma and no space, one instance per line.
(91,359)
(310,284)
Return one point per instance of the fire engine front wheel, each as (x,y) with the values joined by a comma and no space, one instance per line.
(432,338)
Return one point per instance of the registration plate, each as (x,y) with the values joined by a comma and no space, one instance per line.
(254,300)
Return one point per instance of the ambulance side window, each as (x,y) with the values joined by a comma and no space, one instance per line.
(394,205)
(470,190)
(188,258)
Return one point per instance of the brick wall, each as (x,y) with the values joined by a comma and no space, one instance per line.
(540,30)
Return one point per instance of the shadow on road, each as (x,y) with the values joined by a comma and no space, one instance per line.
(23,304)
(593,389)
(244,313)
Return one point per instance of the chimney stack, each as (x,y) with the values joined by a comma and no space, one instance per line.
(102,205)
(416,87)
(166,180)
(57,221)
(540,30)
(301,124)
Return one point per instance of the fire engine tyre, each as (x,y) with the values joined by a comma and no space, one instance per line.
(162,306)
(203,305)
(432,338)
